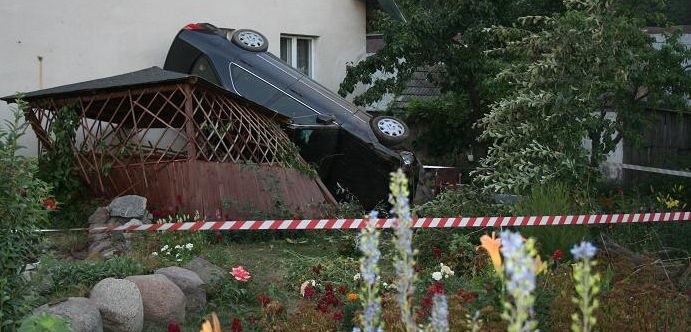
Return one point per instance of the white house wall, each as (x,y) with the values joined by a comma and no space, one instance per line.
(85,39)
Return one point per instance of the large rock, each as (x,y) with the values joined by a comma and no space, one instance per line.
(82,313)
(120,304)
(163,300)
(190,284)
(206,270)
(130,206)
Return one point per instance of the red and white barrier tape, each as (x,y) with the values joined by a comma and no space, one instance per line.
(455,222)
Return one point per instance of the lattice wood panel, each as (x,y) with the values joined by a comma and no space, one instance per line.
(131,130)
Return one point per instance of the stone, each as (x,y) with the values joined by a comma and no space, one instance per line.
(206,270)
(133,222)
(190,284)
(99,217)
(163,300)
(130,206)
(84,316)
(120,304)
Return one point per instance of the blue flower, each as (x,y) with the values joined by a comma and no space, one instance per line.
(585,250)
(440,314)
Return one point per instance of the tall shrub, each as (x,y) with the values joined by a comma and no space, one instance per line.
(22,200)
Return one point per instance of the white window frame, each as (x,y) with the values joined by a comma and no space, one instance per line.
(294,51)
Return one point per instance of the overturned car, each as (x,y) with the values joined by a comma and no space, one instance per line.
(352,151)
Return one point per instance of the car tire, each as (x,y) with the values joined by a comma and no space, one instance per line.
(389,130)
(250,40)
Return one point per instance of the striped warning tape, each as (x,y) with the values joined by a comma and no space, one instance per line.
(454,222)
(652,169)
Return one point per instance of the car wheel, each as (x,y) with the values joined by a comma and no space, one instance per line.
(389,130)
(250,40)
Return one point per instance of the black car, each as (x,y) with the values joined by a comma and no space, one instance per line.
(353,151)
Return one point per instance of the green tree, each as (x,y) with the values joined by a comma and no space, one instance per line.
(590,72)
(451,38)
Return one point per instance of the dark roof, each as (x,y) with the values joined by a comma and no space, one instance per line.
(419,87)
(136,79)
(153,75)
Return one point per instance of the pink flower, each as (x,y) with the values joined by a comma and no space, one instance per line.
(240,274)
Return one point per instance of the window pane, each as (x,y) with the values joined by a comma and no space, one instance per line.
(287,50)
(289,107)
(202,68)
(304,54)
(251,87)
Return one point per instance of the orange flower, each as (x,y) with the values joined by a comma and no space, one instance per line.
(211,324)
(491,245)
(352,297)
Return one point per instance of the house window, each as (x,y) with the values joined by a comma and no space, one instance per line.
(297,52)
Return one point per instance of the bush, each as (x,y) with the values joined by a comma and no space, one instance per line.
(89,273)
(22,199)
(465,200)
(45,322)
(553,199)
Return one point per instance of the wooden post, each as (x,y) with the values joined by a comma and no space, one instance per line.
(189,124)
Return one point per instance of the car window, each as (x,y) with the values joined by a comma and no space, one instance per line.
(250,86)
(300,113)
(203,69)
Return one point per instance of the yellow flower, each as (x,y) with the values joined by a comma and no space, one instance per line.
(211,324)
(352,297)
(672,203)
(491,245)
(540,266)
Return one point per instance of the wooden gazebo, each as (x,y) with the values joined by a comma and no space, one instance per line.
(180,141)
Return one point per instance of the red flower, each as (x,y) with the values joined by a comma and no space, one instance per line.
(329,288)
(338,315)
(240,274)
(467,297)
(173,326)
(342,289)
(263,299)
(309,292)
(558,255)
(323,307)
(437,252)
(50,204)
(236,325)
(317,269)
(427,301)
(436,288)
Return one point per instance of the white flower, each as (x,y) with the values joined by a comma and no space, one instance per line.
(178,247)
(189,246)
(356,277)
(177,255)
(385,285)
(446,270)
(179,259)
(155,253)
(436,275)
(304,285)
(164,248)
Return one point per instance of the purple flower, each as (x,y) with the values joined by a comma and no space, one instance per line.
(585,250)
